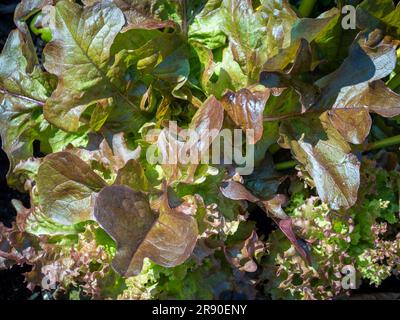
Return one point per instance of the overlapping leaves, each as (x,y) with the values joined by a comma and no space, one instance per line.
(115,68)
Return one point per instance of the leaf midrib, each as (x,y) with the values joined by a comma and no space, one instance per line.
(98,69)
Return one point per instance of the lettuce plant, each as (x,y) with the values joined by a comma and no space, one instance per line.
(105,222)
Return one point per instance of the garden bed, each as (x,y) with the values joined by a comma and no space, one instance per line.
(246,250)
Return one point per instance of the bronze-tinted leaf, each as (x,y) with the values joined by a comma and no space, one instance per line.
(246,108)
(117,153)
(66,186)
(284,222)
(167,238)
(182,151)
(305,29)
(16,245)
(140,14)
(236,191)
(274,206)
(369,60)
(355,87)
(326,156)
(245,29)
(26,8)
(170,147)
(209,118)
(272,77)
(286,226)
(378,98)
(79,55)
(244,254)
(354,124)
(23,90)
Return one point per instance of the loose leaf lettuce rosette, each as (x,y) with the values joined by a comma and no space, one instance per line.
(119,80)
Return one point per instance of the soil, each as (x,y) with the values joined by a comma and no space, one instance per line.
(7,8)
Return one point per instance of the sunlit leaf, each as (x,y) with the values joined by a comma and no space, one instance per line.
(246,109)
(326,156)
(66,187)
(23,90)
(167,238)
(79,55)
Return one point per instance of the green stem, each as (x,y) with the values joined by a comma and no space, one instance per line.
(306,7)
(285,165)
(394,82)
(384,143)
(273,118)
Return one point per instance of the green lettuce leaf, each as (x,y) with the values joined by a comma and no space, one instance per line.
(205,29)
(384,15)
(24,88)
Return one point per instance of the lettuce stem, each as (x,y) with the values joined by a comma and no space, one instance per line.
(376,145)
(184,25)
(383,143)
(394,82)
(285,165)
(306,7)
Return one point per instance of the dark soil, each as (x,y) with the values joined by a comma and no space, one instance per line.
(12,286)
(7,8)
